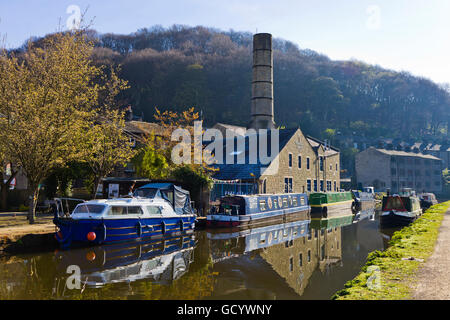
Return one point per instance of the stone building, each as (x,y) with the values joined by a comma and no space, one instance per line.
(302,163)
(394,170)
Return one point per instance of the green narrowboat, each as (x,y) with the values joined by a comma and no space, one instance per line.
(324,204)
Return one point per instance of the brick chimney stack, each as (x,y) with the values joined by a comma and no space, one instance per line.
(262,83)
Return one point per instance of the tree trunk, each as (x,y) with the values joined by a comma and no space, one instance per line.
(96,183)
(32,204)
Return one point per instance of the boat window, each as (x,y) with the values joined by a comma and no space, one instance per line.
(117,210)
(135,210)
(89,208)
(285,203)
(146,192)
(154,210)
(302,201)
(262,205)
(294,201)
(275,204)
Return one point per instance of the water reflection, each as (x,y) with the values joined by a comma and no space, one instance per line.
(303,259)
(161,261)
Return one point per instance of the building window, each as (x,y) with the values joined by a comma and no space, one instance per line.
(290,160)
(321,185)
(336,167)
(300,260)
(264,188)
(393,171)
(288,185)
(299,162)
(309,255)
(291,264)
(308,185)
(315,185)
(328,185)
(334,186)
(307,163)
(321,163)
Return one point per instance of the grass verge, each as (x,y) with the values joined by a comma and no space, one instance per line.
(390,274)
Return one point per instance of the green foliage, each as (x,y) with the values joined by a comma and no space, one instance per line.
(150,163)
(194,179)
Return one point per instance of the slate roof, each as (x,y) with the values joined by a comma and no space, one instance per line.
(407,154)
(244,171)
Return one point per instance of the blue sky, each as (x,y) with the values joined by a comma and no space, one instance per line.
(409,35)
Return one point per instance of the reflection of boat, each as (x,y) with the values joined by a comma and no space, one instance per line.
(240,242)
(250,209)
(158,210)
(330,223)
(327,204)
(400,209)
(364,214)
(159,260)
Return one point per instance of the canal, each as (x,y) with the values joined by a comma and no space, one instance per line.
(306,259)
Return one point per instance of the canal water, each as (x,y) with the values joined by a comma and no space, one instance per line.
(305,259)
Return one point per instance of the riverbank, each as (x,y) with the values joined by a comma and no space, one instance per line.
(393,274)
(17,235)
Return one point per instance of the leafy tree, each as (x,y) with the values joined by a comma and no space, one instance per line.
(48,96)
(106,146)
(150,163)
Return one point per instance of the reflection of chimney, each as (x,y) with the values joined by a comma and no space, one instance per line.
(262,83)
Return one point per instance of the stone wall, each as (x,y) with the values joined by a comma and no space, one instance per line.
(299,146)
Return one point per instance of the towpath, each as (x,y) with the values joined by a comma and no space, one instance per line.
(15,225)
(433,280)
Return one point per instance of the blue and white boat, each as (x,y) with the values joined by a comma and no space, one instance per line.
(241,210)
(154,211)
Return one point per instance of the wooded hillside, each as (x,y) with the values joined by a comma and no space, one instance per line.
(209,69)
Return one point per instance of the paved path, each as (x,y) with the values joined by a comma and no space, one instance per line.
(434,278)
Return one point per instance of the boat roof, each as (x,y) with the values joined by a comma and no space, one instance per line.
(125,201)
(264,195)
(163,186)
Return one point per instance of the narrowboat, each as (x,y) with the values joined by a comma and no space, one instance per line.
(244,210)
(155,210)
(158,260)
(427,200)
(400,209)
(364,199)
(326,204)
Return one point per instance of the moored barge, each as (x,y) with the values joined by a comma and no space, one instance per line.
(400,209)
(326,204)
(244,210)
